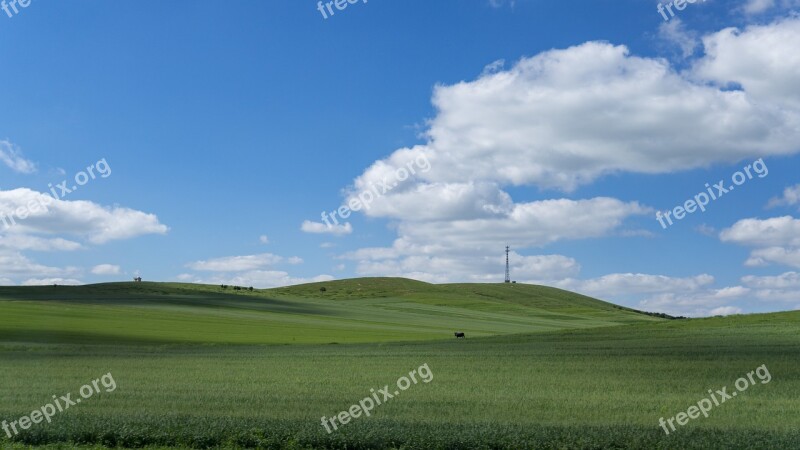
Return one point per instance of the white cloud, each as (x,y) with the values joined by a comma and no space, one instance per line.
(726,311)
(468,250)
(447,267)
(321,228)
(261,279)
(527,224)
(758,6)
(676,33)
(700,303)
(790,197)
(439,201)
(774,255)
(27,242)
(625,284)
(11,156)
(775,289)
(777,231)
(15,266)
(49,281)
(787,280)
(494,67)
(776,240)
(236,263)
(517,126)
(27,212)
(106,269)
(764,60)
(248,270)
(263,239)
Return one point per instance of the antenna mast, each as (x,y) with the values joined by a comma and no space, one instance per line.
(508,273)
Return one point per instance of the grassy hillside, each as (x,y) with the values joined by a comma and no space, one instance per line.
(578,389)
(542,368)
(349,311)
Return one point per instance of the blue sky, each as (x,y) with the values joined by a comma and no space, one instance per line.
(559,128)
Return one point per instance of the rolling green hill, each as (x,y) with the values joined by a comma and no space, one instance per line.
(348,311)
(205,367)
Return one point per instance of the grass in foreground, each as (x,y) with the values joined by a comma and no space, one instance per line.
(586,389)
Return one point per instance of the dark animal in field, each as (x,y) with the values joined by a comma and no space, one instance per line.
(460,335)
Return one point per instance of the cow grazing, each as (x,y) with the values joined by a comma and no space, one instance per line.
(460,335)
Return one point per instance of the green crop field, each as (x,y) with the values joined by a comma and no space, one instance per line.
(205,367)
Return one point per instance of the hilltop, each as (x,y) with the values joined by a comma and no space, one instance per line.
(356,310)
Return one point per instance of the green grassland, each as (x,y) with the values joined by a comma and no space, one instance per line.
(197,367)
(351,311)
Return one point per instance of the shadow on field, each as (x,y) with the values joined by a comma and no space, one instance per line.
(152,294)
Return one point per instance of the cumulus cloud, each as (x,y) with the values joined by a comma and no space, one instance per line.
(260,279)
(11,156)
(775,288)
(27,242)
(774,255)
(50,281)
(726,311)
(248,270)
(27,212)
(790,197)
(787,280)
(14,264)
(467,250)
(777,231)
(236,263)
(566,118)
(34,221)
(106,269)
(676,33)
(445,267)
(776,240)
(759,7)
(526,224)
(624,284)
(518,126)
(763,59)
(701,303)
(321,228)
